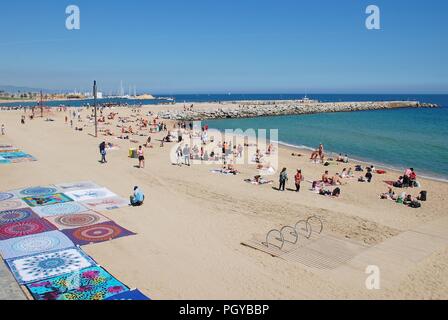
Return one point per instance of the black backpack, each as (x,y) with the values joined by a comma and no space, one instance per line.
(415,204)
(423,195)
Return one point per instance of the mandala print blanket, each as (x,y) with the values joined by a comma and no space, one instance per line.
(88,284)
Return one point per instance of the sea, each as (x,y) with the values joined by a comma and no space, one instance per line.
(394,139)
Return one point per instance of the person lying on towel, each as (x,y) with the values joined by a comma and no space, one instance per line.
(138,197)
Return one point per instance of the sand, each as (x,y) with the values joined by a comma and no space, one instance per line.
(192,224)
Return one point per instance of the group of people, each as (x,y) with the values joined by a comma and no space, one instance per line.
(403,198)
(283,179)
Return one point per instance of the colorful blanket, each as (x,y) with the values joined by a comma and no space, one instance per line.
(36,191)
(23,159)
(47,265)
(6,196)
(106,203)
(4,161)
(72,221)
(96,233)
(24,228)
(14,155)
(12,205)
(60,209)
(16,215)
(130,295)
(90,194)
(29,245)
(75,186)
(92,283)
(38,201)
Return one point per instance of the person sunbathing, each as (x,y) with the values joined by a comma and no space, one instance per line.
(390,195)
(336,180)
(259,180)
(326,178)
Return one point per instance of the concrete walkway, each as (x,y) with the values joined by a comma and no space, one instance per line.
(9,289)
(395,257)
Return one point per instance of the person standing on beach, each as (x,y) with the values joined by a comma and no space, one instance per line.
(141,158)
(186,153)
(321,152)
(3,130)
(179,156)
(298,179)
(283,179)
(103,152)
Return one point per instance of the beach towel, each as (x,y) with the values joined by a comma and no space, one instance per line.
(43,266)
(24,228)
(320,182)
(261,182)
(39,201)
(14,155)
(225,172)
(74,186)
(130,295)
(16,215)
(34,244)
(8,149)
(93,283)
(96,233)
(60,209)
(72,221)
(6,196)
(90,194)
(4,161)
(23,159)
(106,203)
(36,191)
(12,205)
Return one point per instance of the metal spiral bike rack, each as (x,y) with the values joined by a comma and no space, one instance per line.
(292,234)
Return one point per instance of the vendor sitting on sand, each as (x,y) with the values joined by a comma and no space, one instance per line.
(138,198)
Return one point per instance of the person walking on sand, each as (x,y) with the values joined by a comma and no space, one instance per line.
(141,158)
(179,156)
(103,152)
(283,179)
(186,153)
(3,130)
(298,179)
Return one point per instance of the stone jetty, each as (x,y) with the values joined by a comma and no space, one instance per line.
(250,109)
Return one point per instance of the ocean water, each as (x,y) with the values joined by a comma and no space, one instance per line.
(391,138)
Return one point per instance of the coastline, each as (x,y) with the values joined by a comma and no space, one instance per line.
(364,162)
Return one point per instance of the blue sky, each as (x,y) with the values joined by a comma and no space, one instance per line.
(214,46)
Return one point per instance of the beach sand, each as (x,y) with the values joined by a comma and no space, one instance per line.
(190,229)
